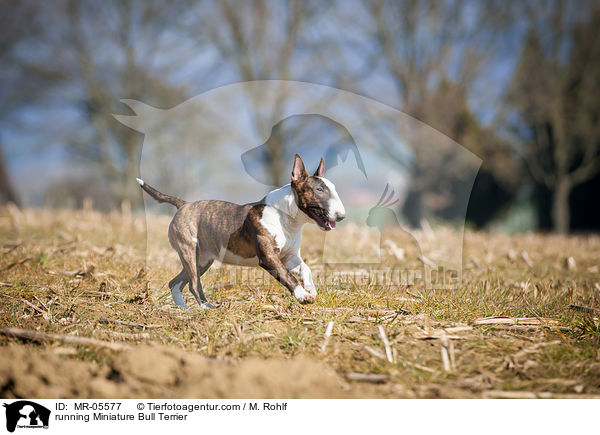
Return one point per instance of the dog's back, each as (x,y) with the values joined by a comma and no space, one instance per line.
(221,229)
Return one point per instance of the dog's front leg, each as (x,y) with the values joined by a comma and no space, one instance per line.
(270,261)
(296,265)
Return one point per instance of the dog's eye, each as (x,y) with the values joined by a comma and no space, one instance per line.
(320,189)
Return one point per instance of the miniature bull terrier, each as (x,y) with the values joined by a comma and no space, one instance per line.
(266,233)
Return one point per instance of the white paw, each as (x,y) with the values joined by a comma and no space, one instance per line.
(303,296)
(312,290)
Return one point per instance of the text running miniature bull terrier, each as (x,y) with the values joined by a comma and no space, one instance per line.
(266,233)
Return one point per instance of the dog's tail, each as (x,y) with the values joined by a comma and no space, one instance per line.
(161,197)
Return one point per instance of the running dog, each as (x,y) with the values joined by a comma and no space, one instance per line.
(266,233)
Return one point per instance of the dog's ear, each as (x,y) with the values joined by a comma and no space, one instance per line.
(321,169)
(298,171)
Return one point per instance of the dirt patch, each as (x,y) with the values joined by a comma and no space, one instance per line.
(147,371)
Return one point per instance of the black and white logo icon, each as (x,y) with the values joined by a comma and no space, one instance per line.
(25,414)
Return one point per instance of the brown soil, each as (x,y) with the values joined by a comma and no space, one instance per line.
(147,371)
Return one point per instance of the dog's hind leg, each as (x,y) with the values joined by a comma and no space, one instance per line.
(176,285)
(202,265)
(192,265)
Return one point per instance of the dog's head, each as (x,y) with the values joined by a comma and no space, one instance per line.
(316,195)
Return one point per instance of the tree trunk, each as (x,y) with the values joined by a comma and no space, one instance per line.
(7,193)
(413,208)
(561,213)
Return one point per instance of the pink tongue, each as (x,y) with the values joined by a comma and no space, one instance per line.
(330,225)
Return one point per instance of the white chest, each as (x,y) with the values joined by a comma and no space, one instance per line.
(286,232)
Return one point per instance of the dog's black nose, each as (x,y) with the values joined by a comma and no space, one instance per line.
(340,217)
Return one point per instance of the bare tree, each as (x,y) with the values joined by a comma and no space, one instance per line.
(17,22)
(95,54)
(259,40)
(434,52)
(98,54)
(555,93)
(126,68)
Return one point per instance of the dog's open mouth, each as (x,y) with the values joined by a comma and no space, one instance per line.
(320,217)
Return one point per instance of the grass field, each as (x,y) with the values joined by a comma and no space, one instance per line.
(508,330)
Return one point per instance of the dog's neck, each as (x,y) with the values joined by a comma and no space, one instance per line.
(284,201)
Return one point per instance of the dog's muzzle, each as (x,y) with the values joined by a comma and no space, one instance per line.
(322,219)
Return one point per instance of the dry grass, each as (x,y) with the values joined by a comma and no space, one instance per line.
(83,274)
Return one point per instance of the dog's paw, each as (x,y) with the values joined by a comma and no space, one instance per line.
(303,296)
(312,290)
(207,306)
(178,298)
